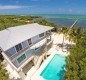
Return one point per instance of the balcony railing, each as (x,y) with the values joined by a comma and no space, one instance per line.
(23,50)
(43,48)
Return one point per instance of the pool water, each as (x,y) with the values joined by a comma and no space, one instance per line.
(55,69)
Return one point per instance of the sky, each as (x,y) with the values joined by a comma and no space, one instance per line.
(42,6)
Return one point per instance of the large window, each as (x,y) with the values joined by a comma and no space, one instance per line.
(29,41)
(29,52)
(18,47)
(41,35)
(21,58)
(25,44)
(11,51)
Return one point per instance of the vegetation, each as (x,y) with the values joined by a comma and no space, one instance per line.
(75,34)
(46,23)
(63,30)
(12,20)
(7,21)
(3,73)
(76,61)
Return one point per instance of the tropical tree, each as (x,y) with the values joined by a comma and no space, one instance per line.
(64,31)
(46,23)
(76,61)
(12,20)
(3,73)
(74,34)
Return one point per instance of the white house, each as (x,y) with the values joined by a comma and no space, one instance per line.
(22,46)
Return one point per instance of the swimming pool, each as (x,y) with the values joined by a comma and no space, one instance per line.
(55,69)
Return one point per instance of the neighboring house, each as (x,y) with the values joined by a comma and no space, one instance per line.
(23,45)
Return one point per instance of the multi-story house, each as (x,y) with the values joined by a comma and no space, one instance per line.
(22,46)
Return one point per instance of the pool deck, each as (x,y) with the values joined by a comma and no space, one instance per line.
(37,76)
(33,73)
(52,52)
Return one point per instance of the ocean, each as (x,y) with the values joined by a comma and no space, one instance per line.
(65,19)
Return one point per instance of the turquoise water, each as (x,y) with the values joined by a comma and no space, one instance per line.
(67,16)
(65,19)
(55,69)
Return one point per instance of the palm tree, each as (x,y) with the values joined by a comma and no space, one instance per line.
(3,72)
(64,31)
(74,34)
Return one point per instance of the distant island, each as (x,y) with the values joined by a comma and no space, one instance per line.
(14,20)
(7,21)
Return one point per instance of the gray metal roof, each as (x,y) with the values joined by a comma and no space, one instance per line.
(15,35)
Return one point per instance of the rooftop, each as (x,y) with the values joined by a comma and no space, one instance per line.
(15,35)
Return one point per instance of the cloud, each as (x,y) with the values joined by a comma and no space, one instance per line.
(2,7)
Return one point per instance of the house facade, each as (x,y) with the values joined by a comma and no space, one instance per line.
(22,46)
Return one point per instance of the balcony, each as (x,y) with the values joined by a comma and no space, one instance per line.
(37,50)
(33,43)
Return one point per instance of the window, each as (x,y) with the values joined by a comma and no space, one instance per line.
(41,35)
(18,47)
(29,41)
(11,51)
(25,44)
(36,48)
(29,52)
(21,58)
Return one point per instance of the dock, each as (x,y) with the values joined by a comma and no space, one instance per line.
(74,23)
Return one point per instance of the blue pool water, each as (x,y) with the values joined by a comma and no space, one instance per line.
(55,69)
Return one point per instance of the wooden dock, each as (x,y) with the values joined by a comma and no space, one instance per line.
(74,23)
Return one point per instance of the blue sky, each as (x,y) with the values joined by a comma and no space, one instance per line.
(42,6)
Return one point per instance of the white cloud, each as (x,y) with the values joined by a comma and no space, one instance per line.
(2,7)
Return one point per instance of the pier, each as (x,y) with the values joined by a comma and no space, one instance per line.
(74,23)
